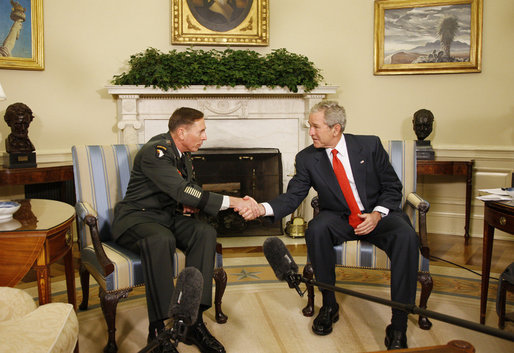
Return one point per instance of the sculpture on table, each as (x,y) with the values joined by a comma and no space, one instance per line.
(20,149)
(423,121)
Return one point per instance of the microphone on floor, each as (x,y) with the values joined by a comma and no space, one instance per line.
(286,269)
(183,309)
(282,262)
(185,301)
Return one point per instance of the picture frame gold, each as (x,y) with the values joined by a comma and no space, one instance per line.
(416,37)
(22,22)
(220,22)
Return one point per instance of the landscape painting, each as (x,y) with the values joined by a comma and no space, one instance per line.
(439,38)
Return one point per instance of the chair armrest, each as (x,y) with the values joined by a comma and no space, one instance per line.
(88,214)
(422,206)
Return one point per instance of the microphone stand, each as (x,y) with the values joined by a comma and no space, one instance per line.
(165,335)
(409,308)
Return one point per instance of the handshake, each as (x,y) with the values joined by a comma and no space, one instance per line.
(247,207)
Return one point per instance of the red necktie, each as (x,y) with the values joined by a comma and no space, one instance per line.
(354,220)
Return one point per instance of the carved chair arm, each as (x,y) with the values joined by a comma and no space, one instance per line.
(422,206)
(88,215)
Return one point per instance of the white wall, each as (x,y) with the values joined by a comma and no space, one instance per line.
(87,42)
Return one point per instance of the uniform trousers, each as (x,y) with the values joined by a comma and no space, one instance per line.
(157,244)
(394,234)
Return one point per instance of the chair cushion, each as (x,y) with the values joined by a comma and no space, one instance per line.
(361,253)
(127,272)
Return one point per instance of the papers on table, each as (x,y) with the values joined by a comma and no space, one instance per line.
(497,194)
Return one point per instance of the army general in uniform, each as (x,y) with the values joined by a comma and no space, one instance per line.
(152,220)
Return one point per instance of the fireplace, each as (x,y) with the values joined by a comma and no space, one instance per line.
(256,172)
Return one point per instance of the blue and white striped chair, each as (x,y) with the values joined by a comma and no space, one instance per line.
(361,254)
(101,176)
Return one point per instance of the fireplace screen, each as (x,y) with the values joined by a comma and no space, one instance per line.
(256,172)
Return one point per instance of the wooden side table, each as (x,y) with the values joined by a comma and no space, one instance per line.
(455,168)
(37,236)
(43,173)
(497,214)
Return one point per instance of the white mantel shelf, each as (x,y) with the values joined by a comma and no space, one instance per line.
(213,90)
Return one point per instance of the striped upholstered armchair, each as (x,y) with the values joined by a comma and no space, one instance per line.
(361,254)
(101,176)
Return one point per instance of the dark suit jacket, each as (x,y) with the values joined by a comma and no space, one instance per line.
(375,178)
(159,184)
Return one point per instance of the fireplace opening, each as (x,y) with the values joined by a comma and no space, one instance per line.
(256,172)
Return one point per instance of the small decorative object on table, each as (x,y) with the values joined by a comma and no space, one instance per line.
(20,151)
(7,209)
(422,123)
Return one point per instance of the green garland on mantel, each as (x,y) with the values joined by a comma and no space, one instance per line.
(220,68)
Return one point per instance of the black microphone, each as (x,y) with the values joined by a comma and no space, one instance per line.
(185,301)
(282,262)
(183,309)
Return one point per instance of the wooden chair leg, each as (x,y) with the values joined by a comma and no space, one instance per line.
(220,278)
(109,302)
(84,282)
(308,273)
(425,279)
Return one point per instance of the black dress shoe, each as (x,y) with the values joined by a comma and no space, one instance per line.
(323,322)
(198,335)
(395,339)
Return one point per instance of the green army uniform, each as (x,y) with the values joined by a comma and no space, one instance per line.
(149,221)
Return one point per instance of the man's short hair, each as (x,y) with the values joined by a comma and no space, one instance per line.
(334,113)
(183,116)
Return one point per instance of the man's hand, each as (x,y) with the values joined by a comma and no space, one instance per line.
(246,206)
(370,221)
(249,214)
(188,209)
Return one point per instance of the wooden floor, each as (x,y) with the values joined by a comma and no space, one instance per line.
(447,247)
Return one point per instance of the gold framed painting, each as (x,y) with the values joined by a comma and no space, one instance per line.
(427,36)
(21,35)
(220,22)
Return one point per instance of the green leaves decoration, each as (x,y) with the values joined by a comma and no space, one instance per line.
(220,68)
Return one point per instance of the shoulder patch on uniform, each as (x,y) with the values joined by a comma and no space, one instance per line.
(160,150)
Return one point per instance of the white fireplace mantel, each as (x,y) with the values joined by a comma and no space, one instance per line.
(236,117)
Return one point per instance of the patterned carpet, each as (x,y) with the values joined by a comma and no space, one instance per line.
(265,315)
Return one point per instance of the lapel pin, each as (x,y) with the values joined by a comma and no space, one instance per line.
(362,162)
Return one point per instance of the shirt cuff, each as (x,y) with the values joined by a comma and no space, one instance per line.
(226,203)
(382,210)
(268,209)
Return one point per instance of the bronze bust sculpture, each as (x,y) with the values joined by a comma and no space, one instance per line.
(422,122)
(18,117)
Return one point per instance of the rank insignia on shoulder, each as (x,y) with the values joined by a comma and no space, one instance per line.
(160,150)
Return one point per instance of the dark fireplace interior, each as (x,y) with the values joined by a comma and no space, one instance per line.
(256,172)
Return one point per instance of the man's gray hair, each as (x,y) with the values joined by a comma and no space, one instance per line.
(334,113)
